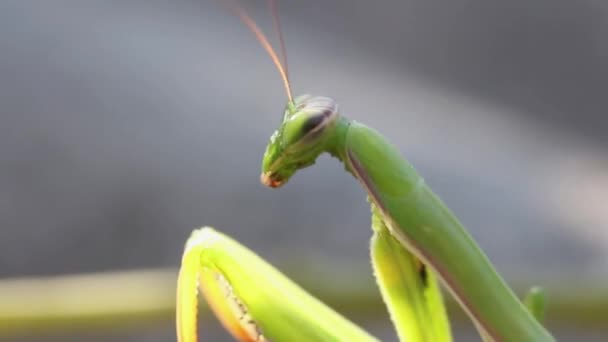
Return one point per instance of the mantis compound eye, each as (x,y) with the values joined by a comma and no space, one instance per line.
(312,116)
(316,122)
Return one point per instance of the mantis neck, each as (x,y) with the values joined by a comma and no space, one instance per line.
(336,146)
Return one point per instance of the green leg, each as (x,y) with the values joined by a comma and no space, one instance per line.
(409,289)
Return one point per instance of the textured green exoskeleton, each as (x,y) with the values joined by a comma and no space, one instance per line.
(253,300)
(412,213)
(410,290)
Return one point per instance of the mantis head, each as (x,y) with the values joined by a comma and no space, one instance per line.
(307,122)
(307,126)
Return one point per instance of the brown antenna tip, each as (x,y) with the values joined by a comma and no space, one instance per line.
(242,14)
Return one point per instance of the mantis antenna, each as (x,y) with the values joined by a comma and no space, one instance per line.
(277,28)
(282,67)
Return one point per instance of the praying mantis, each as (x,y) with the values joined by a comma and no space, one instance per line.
(417,243)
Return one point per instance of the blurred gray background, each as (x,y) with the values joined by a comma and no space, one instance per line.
(126,124)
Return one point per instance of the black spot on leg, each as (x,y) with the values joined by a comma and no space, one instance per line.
(422,273)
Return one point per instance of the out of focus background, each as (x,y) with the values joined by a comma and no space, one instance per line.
(124,125)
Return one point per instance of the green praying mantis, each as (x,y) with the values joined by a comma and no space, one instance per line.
(417,243)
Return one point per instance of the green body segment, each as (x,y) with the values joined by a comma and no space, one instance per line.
(281,310)
(420,221)
(416,305)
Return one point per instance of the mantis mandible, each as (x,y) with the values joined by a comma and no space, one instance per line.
(416,240)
